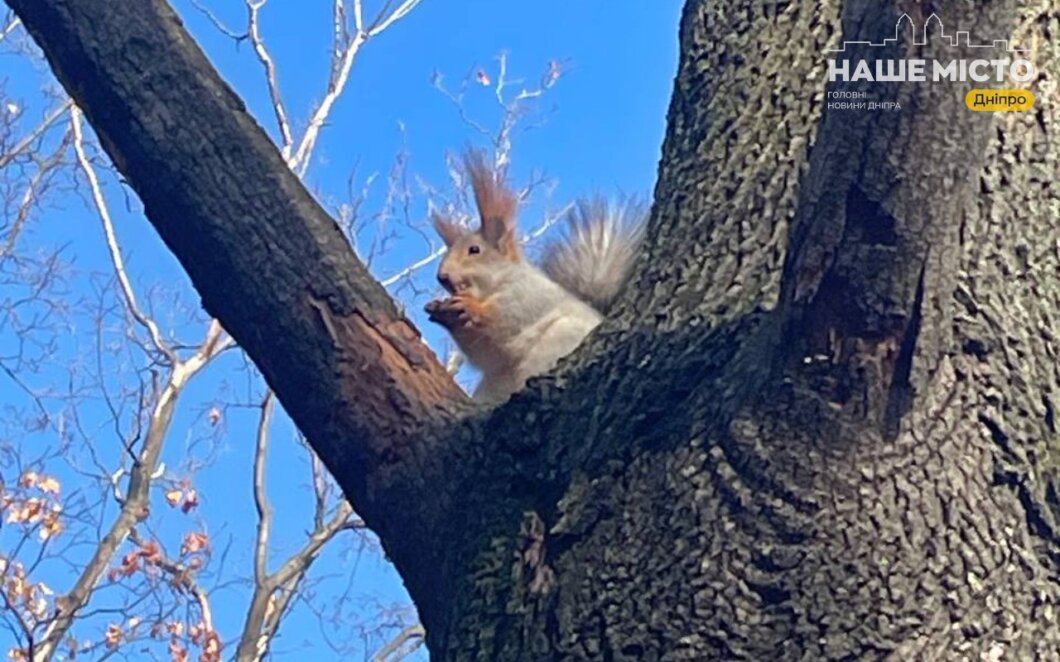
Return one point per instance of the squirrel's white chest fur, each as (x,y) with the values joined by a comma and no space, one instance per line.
(543,324)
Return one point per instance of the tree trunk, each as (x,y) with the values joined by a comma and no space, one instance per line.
(829,429)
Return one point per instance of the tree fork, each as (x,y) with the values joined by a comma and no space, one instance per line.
(735,495)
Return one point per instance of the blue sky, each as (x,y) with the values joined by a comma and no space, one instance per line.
(602,129)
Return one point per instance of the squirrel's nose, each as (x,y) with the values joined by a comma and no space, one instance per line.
(445,280)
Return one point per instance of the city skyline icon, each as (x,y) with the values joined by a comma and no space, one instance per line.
(961,37)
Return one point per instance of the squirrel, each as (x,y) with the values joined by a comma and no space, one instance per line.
(514,320)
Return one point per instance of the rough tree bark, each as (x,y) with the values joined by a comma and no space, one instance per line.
(830,428)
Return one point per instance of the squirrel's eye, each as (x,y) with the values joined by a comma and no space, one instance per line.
(473,249)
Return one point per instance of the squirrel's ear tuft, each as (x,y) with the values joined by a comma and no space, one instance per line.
(449,231)
(496,204)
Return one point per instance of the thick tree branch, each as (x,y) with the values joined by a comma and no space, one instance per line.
(269,262)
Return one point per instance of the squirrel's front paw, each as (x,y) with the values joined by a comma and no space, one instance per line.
(455,312)
(438,311)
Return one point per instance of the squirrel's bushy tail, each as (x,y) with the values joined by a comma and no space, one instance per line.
(594,258)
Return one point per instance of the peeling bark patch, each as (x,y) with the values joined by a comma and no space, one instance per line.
(532,556)
(384,366)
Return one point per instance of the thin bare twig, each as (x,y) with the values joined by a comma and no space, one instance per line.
(36,133)
(217,23)
(273,592)
(261,500)
(401,12)
(31,195)
(404,644)
(10,27)
(290,575)
(112,242)
(457,100)
(513,107)
(339,24)
(512,111)
(414,267)
(358,14)
(320,488)
(254,32)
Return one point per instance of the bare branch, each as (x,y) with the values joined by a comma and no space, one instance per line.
(340,75)
(254,31)
(339,24)
(134,501)
(36,133)
(358,14)
(31,196)
(549,220)
(112,241)
(457,100)
(414,267)
(217,23)
(320,488)
(273,593)
(401,646)
(345,53)
(291,574)
(299,562)
(401,12)
(261,499)
(9,28)
(513,108)
(512,112)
